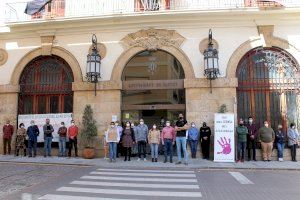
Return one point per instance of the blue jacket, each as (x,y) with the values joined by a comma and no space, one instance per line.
(193,133)
(33,132)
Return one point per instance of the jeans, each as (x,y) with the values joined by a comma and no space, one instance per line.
(32,146)
(280,148)
(154,150)
(241,150)
(112,150)
(6,142)
(47,146)
(62,146)
(193,145)
(181,145)
(142,147)
(168,148)
(73,142)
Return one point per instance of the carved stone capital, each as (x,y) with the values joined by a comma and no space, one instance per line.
(3,56)
(153,39)
(101,48)
(267,33)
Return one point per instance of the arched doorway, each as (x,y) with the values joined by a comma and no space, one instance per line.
(152,87)
(268,87)
(46,86)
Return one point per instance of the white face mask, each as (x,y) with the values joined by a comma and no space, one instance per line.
(22,126)
(117,124)
(72,124)
(293,127)
(193,125)
(250,120)
(32,124)
(266,125)
(127,125)
(62,125)
(141,123)
(168,124)
(154,127)
(112,126)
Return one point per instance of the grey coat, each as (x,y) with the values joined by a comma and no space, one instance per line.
(292,135)
(48,131)
(141,132)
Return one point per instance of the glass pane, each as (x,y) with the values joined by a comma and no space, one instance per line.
(260,107)
(68,104)
(275,111)
(54,102)
(292,100)
(42,104)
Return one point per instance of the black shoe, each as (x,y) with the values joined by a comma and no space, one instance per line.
(171,161)
(129,159)
(165,160)
(125,159)
(152,159)
(155,160)
(30,156)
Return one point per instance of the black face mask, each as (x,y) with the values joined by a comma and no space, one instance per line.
(204,124)
(181,118)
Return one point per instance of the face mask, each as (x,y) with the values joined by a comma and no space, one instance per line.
(204,125)
(279,128)
(168,124)
(193,125)
(266,125)
(72,124)
(117,124)
(293,127)
(31,124)
(127,125)
(7,124)
(62,125)
(141,123)
(112,126)
(22,126)
(241,123)
(154,127)
(180,118)
(250,120)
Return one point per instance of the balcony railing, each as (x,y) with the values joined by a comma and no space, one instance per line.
(14,12)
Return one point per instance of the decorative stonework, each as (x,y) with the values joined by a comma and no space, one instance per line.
(3,56)
(101,48)
(153,39)
(204,44)
(267,33)
(47,43)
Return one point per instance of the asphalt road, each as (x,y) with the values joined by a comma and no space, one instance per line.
(63,182)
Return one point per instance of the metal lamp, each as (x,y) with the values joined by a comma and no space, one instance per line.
(211,61)
(93,64)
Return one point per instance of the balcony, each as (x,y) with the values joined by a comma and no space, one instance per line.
(64,9)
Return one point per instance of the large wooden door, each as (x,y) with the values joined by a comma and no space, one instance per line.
(268,87)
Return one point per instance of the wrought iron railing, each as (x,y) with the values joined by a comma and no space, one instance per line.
(14,12)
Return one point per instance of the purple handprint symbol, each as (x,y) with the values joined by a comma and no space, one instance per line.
(226,146)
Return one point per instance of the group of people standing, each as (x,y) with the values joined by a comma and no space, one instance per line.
(165,135)
(248,135)
(31,134)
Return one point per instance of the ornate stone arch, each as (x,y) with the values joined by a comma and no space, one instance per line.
(58,51)
(152,39)
(257,42)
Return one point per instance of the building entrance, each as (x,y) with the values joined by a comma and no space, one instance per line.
(153,88)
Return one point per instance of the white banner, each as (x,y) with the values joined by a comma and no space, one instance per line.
(224,144)
(40,120)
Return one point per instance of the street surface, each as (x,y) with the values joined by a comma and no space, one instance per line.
(71,182)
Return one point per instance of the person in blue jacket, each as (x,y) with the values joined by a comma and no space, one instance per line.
(193,137)
(32,132)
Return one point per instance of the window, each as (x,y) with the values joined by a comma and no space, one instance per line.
(46,87)
(268,87)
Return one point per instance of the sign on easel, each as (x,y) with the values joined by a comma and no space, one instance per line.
(224,144)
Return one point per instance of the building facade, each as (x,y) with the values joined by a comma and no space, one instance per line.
(152,63)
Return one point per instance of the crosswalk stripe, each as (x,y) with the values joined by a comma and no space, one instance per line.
(240,178)
(69,197)
(138,185)
(137,170)
(140,179)
(131,192)
(145,174)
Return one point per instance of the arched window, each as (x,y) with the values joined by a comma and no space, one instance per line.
(268,87)
(46,87)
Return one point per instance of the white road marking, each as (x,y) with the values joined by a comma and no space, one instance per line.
(69,197)
(156,171)
(145,174)
(138,185)
(140,179)
(240,178)
(131,192)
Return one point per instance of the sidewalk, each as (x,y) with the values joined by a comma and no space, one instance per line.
(193,164)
